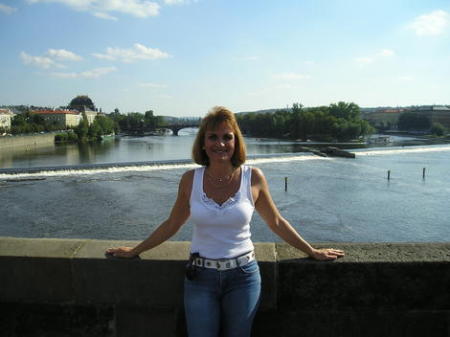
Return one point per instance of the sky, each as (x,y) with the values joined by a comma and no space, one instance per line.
(182,57)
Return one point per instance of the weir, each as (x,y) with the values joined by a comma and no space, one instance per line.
(84,169)
(60,287)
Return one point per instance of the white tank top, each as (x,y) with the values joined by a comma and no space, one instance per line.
(221,231)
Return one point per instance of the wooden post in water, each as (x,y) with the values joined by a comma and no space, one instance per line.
(389,174)
(285,183)
(423,173)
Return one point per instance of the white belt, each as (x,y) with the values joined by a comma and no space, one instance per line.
(224,264)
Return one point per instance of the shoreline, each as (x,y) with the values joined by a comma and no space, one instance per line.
(24,173)
(257,149)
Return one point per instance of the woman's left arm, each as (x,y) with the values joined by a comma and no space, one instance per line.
(280,226)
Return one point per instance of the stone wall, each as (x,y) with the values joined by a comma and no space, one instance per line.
(53,287)
(27,140)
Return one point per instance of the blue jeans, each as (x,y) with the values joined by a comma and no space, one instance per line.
(222,302)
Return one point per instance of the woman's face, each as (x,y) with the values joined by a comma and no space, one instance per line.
(219,143)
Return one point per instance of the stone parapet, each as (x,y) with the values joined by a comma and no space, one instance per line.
(27,141)
(69,288)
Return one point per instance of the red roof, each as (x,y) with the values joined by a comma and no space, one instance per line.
(390,111)
(55,112)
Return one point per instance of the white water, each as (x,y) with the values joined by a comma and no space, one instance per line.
(403,150)
(158,167)
(141,168)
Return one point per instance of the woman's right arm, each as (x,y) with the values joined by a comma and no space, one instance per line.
(178,216)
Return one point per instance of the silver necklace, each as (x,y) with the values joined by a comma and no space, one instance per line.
(220,180)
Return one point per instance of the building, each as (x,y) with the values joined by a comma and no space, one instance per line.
(384,118)
(84,104)
(5,119)
(387,118)
(63,118)
(90,115)
(436,113)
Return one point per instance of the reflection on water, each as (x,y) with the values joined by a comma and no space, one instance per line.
(149,148)
(56,154)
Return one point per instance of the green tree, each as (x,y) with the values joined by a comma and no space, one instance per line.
(105,124)
(82,129)
(438,129)
(348,111)
(409,121)
(150,121)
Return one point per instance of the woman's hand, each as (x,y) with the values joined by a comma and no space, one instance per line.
(327,254)
(126,252)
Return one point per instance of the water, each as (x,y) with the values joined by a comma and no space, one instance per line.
(126,149)
(328,199)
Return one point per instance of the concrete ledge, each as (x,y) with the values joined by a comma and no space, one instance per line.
(391,289)
(27,141)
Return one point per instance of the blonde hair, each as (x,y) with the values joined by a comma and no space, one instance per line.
(211,121)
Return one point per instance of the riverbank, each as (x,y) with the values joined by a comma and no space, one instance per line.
(27,141)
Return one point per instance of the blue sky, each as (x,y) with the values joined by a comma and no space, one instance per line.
(181,57)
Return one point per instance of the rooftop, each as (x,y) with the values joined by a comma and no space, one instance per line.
(55,112)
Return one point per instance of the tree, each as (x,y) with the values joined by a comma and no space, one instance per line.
(438,129)
(338,121)
(409,121)
(150,121)
(82,129)
(349,111)
(105,124)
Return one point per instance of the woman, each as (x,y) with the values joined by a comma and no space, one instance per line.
(222,284)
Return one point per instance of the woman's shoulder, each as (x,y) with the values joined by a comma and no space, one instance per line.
(186,182)
(257,175)
(188,175)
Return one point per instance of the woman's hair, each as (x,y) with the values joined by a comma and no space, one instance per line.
(211,121)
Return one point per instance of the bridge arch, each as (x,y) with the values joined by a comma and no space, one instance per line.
(175,128)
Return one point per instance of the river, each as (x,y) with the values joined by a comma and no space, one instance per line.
(328,199)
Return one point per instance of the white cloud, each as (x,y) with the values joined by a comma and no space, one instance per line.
(100,8)
(48,60)
(138,52)
(291,76)
(94,73)
(6,9)
(63,55)
(173,2)
(178,2)
(38,61)
(152,85)
(104,16)
(430,24)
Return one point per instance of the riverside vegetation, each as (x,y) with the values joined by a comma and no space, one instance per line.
(336,122)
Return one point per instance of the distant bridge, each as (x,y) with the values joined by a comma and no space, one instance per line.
(175,127)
